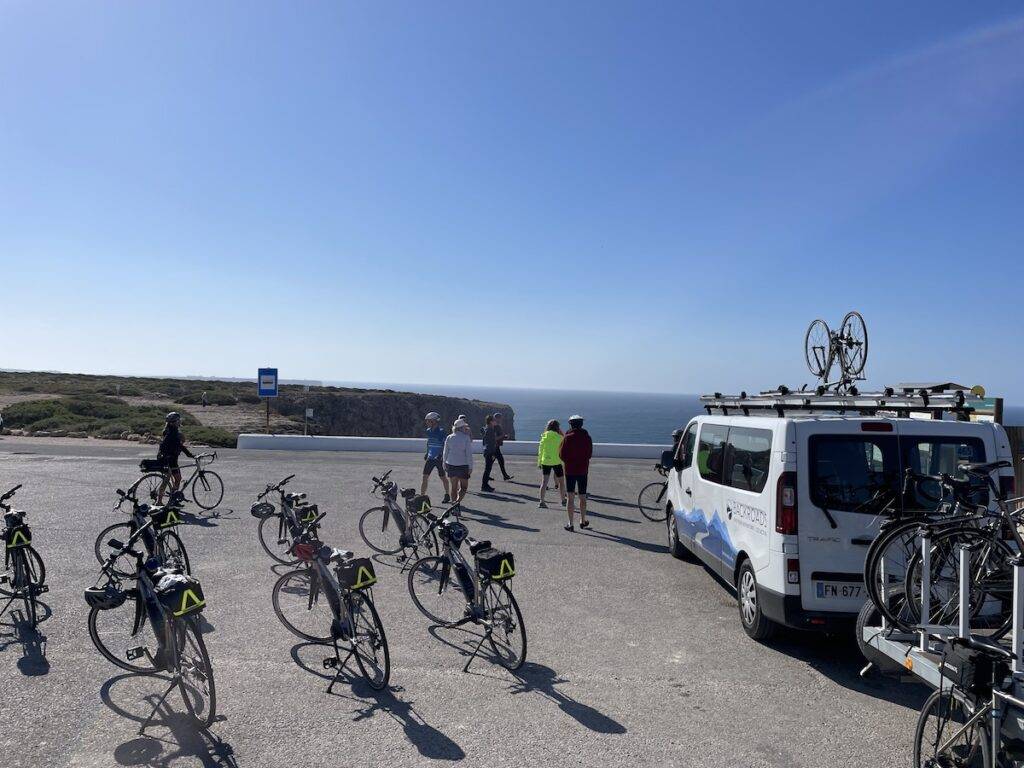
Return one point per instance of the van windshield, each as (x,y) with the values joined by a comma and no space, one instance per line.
(863,473)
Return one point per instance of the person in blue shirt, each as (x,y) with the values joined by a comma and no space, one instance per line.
(433,458)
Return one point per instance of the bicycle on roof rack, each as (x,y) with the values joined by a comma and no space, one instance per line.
(206,485)
(824,348)
(391,529)
(335,580)
(280,527)
(153,627)
(26,576)
(451,592)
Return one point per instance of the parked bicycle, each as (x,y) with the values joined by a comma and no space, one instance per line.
(280,527)
(206,485)
(329,599)
(25,577)
(392,529)
(161,540)
(451,592)
(651,499)
(153,627)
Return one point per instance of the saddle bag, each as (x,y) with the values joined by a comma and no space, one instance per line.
(153,465)
(972,670)
(18,535)
(495,564)
(165,517)
(418,504)
(306,514)
(356,574)
(179,593)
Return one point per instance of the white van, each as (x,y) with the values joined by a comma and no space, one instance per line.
(784,508)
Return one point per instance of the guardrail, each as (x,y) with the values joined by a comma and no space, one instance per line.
(418,444)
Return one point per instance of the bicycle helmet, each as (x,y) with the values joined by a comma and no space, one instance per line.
(261,509)
(456,532)
(104,598)
(173,416)
(432,416)
(306,550)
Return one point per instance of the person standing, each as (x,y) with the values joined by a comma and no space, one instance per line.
(458,459)
(499,434)
(204,400)
(575,453)
(490,434)
(432,458)
(549,461)
(172,445)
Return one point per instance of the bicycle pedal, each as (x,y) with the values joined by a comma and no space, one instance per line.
(42,589)
(135,653)
(331,662)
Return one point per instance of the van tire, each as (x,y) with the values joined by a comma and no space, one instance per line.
(757,626)
(675,546)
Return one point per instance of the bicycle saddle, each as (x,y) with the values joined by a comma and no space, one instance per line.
(475,546)
(334,555)
(295,496)
(984,468)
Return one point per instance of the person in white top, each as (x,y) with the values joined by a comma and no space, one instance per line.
(458,459)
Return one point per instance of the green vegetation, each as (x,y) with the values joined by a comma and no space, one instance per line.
(101,416)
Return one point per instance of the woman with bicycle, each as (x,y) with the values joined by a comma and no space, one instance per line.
(172,445)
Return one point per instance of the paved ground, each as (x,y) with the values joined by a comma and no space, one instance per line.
(634,658)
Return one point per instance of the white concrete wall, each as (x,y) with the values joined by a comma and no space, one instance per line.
(418,445)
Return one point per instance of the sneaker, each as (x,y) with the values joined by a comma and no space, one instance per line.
(585,524)
(542,505)
(568,527)
(510,477)
(487,489)
(447,499)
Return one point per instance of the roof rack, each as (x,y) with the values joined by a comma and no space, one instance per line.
(900,403)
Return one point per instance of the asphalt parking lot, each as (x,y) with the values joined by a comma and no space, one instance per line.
(634,658)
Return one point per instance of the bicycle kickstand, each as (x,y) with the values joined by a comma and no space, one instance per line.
(486,636)
(337,663)
(145,724)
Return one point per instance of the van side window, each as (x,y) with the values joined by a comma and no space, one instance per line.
(711,452)
(854,473)
(685,451)
(748,455)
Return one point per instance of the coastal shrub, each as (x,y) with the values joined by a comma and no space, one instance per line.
(215,397)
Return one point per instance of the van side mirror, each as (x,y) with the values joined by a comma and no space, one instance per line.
(668,459)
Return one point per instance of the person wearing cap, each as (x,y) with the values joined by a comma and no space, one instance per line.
(458,459)
(172,445)
(499,439)
(432,458)
(575,452)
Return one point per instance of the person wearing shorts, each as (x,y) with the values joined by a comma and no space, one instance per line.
(575,453)
(432,458)
(458,459)
(549,462)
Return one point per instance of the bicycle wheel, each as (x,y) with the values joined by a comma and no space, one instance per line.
(435,590)
(35,572)
(148,487)
(171,551)
(123,566)
(207,489)
(818,349)
(369,642)
(508,632)
(889,554)
(853,346)
(113,633)
(380,532)
(275,540)
(651,501)
(941,718)
(193,663)
(301,605)
(990,596)
(25,585)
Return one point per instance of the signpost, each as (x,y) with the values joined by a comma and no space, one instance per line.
(305,422)
(266,382)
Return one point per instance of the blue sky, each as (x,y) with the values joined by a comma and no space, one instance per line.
(634,196)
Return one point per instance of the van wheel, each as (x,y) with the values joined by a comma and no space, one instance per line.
(675,546)
(755,624)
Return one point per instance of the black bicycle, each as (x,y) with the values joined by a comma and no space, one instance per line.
(206,485)
(25,574)
(651,499)
(280,528)
(153,627)
(329,599)
(451,592)
(391,529)
(160,539)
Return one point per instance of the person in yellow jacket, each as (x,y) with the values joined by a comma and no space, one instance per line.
(549,462)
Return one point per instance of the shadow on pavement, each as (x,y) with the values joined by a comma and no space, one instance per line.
(543,680)
(428,740)
(512,498)
(17,631)
(180,736)
(495,521)
(643,546)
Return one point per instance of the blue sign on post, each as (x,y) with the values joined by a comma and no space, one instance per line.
(267,382)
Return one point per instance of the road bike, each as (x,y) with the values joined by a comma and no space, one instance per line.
(207,487)
(329,599)
(391,529)
(824,348)
(153,627)
(25,574)
(279,528)
(451,592)
(651,499)
(160,539)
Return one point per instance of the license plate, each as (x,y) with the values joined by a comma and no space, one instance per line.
(842,589)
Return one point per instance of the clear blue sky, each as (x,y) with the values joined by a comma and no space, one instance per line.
(638,196)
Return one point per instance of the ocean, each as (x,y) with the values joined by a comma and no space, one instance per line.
(611,417)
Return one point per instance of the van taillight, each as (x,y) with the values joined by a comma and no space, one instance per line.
(785,504)
(1007,485)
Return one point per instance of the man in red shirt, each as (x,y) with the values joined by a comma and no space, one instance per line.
(575,453)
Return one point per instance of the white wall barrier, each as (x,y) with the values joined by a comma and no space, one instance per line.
(418,445)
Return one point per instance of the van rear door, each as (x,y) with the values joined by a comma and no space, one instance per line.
(847,471)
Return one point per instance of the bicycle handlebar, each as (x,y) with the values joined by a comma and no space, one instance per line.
(126,548)
(10,493)
(379,481)
(276,487)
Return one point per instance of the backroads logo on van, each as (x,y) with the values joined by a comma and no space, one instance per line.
(749,517)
